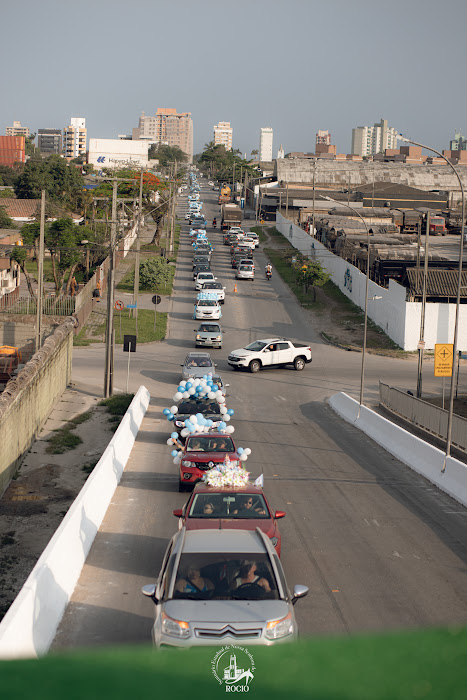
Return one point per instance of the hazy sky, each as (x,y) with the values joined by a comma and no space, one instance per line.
(297,66)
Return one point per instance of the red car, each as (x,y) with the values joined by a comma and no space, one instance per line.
(228,507)
(201,452)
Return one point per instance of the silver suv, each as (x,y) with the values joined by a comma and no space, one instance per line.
(209,335)
(221,587)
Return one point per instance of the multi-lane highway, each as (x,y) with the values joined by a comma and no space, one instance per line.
(379,547)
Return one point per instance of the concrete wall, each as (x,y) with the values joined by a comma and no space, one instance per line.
(348,173)
(28,628)
(27,401)
(449,474)
(400,319)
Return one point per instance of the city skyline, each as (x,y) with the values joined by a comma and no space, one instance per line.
(296,97)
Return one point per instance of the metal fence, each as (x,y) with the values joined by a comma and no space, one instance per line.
(51,306)
(423,415)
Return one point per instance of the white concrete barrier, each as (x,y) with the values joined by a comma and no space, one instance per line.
(410,449)
(28,628)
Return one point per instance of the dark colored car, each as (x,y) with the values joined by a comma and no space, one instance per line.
(233,508)
(201,260)
(202,452)
(201,267)
(209,408)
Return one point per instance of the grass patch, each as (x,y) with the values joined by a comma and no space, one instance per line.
(77,420)
(80,339)
(117,405)
(281,266)
(124,325)
(63,441)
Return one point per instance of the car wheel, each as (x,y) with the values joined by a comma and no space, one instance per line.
(182,487)
(299,363)
(255,366)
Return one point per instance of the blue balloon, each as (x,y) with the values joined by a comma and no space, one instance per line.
(174,436)
(199,388)
(170,416)
(199,416)
(209,423)
(181,389)
(188,386)
(188,423)
(222,425)
(230,411)
(174,453)
(166,411)
(240,450)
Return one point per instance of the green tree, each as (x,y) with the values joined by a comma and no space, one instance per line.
(8,176)
(20,255)
(153,273)
(220,163)
(63,240)
(5,221)
(166,154)
(309,272)
(29,145)
(63,183)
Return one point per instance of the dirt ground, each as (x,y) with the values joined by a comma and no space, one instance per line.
(33,506)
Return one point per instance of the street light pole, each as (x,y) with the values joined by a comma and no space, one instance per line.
(365,325)
(421,344)
(109,346)
(459,284)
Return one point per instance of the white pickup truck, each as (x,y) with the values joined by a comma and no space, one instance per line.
(269,352)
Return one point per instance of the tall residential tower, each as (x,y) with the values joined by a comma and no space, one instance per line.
(370,140)
(265,144)
(223,135)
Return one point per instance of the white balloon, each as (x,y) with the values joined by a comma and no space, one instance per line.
(196,382)
(226,417)
(186,395)
(185,432)
(220,399)
(219,393)
(211,395)
(191,391)
(178,396)
(170,441)
(182,383)
(243,457)
(230,429)
(193,419)
(223,409)
(247,451)
(174,409)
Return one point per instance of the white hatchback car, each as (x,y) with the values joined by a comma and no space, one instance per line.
(245,272)
(207,309)
(203,277)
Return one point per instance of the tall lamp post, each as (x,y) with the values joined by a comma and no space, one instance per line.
(365,325)
(459,284)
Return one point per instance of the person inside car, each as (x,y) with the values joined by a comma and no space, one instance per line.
(193,582)
(248,508)
(247,575)
(195,446)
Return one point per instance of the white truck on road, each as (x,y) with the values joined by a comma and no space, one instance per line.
(270,352)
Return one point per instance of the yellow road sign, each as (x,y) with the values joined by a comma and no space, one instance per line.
(443,359)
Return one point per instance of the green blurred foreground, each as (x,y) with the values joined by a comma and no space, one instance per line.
(421,664)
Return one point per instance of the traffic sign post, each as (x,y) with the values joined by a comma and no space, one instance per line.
(133,306)
(156,299)
(119,306)
(444,355)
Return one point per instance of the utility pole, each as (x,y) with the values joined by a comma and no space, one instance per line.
(40,275)
(314,175)
(421,344)
(109,336)
(138,245)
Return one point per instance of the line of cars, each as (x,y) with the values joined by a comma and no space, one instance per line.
(221,580)
(242,246)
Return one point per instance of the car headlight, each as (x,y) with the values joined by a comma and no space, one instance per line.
(175,628)
(276,629)
(198,337)
(187,464)
(218,337)
(274,541)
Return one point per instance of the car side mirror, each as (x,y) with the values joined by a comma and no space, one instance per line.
(149,590)
(280,514)
(178,512)
(299,592)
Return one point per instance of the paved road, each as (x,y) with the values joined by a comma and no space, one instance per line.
(379,547)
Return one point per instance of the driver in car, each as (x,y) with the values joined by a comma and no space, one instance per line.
(247,575)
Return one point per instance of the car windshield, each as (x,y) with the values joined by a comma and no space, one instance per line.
(192,361)
(207,302)
(225,577)
(192,407)
(256,345)
(235,506)
(212,285)
(210,328)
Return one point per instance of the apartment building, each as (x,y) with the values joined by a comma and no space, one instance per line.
(265,144)
(323,137)
(49,141)
(12,150)
(370,140)
(223,135)
(74,138)
(17,130)
(167,127)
